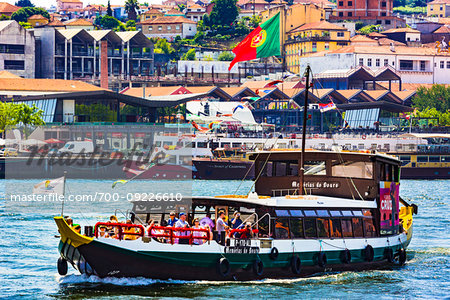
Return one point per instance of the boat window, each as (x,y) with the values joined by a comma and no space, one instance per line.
(225,145)
(367,213)
(236,145)
(388,170)
(323,213)
(296,213)
(323,227)
(167,143)
(310,213)
(433,158)
(292,169)
(282,213)
(335,228)
(335,213)
(282,228)
(357,227)
(263,167)
(347,213)
(369,228)
(202,145)
(296,225)
(315,168)
(346,228)
(279,168)
(357,213)
(406,159)
(215,145)
(445,158)
(422,158)
(310,228)
(354,169)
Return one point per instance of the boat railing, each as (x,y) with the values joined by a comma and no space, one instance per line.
(123,229)
(257,222)
(284,192)
(245,221)
(233,231)
(169,233)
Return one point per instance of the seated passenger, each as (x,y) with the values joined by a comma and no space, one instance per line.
(236,223)
(77,228)
(102,232)
(207,221)
(196,234)
(172,219)
(248,233)
(69,221)
(129,230)
(181,223)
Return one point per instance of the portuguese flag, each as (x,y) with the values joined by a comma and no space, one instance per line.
(263,41)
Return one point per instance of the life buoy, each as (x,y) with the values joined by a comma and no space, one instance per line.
(346,256)
(223,267)
(389,255)
(401,257)
(364,136)
(296,264)
(322,259)
(258,267)
(316,136)
(273,253)
(368,253)
(62,266)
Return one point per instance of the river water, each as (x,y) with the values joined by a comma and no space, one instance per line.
(28,252)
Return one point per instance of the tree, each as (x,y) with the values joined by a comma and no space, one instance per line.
(164,46)
(12,114)
(109,11)
(131,7)
(109,22)
(24,3)
(181,7)
(369,29)
(224,12)
(4,18)
(25,25)
(24,13)
(226,56)
(190,55)
(438,97)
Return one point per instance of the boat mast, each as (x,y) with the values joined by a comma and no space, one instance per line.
(305,116)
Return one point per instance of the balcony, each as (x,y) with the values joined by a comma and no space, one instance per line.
(316,38)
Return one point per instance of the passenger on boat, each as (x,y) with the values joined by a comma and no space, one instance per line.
(207,221)
(248,233)
(196,234)
(77,228)
(113,231)
(172,219)
(102,232)
(236,222)
(210,232)
(181,223)
(129,230)
(221,225)
(69,221)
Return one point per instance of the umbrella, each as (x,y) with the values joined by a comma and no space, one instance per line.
(32,142)
(53,141)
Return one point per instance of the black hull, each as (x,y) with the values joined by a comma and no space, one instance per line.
(425,173)
(223,170)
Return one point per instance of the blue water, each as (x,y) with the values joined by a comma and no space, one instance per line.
(28,252)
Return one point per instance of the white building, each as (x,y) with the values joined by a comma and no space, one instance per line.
(413,64)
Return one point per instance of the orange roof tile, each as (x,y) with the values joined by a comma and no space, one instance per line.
(322,25)
(404,94)
(348,93)
(387,50)
(69,1)
(78,22)
(36,17)
(387,42)
(440,2)
(7,8)
(444,20)
(6,74)
(407,86)
(46,85)
(376,94)
(397,30)
(232,91)
(55,23)
(376,35)
(200,89)
(174,12)
(443,29)
(153,11)
(155,91)
(168,20)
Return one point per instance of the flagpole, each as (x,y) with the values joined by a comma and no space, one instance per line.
(64,194)
(305,116)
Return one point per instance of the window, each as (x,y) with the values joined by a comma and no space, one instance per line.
(379,22)
(369,62)
(361,61)
(383,14)
(340,34)
(387,22)
(346,228)
(442,64)
(383,4)
(349,3)
(150,28)
(441,7)
(377,62)
(169,27)
(335,228)
(159,28)
(341,14)
(310,213)
(422,159)
(349,14)
(314,47)
(310,228)
(386,62)
(296,226)
(190,28)
(422,65)
(323,213)
(357,227)
(323,227)
(406,65)
(13,49)
(448,65)
(434,159)
(177,27)
(369,228)
(282,228)
(14,65)
(341,3)
(327,46)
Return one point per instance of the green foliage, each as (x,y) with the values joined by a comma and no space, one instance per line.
(190,55)
(108,22)
(224,12)
(438,96)
(120,27)
(408,10)
(4,18)
(24,13)
(109,11)
(12,114)
(164,47)
(25,25)
(24,3)
(131,23)
(96,112)
(255,21)
(226,56)
(181,7)
(443,117)
(208,58)
(359,25)
(369,29)
(131,7)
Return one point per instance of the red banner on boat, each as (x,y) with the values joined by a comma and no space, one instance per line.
(389,206)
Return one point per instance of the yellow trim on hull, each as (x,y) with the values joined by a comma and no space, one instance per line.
(67,233)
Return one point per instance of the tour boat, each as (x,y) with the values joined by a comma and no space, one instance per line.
(310,212)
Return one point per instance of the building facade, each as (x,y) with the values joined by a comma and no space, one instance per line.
(64,5)
(311,38)
(168,27)
(17,49)
(85,55)
(438,8)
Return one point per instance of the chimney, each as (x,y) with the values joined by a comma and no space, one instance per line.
(392,47)
(104,64)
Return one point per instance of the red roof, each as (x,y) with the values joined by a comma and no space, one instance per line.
(443,29)
(168,20)
(78,22)
(7,8)
(322,25)
(36,17)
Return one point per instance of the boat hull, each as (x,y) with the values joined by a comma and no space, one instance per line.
(425,173)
